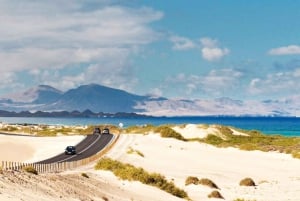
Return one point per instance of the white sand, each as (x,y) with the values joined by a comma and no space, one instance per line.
(277,175)
(33,149)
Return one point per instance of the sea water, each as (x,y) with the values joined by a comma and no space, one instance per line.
(288,126)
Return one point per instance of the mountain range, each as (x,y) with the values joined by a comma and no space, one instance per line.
(98,98)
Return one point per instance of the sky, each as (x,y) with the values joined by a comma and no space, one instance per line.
(196,49)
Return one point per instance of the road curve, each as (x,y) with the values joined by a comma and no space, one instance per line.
(91,145)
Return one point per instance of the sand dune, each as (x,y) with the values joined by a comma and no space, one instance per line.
(276,175)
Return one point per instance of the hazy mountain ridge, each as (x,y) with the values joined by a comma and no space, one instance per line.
(38,95)
(98,98)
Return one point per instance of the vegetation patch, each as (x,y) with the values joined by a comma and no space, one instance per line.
(168,132)
(203,181)
(49,130)
(191,180)
(247,182)
(133,151)
(215,194)
(30,169)
(131,173)
(142,129)
(85,175)
(208,182)
(254,141)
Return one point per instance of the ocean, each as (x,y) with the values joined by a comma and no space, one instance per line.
(287,126)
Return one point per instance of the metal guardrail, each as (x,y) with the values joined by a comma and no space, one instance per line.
(58,167)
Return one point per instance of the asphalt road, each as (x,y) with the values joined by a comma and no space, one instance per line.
(91,145)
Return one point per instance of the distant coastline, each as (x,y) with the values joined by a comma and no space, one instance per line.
(287,126)
(86,113)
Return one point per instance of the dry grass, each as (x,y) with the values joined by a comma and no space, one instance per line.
(203,181)
(215,194)
(208,182)
(30,169)
(133,151)
(254,141)
(191,180)
(132,173)
(85,175)
(247,182)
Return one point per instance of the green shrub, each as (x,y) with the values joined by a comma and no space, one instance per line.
(30,169)
(131,173)
(213,140)
(84,175)
(105,198)
(254,141)
(168,133)
(143,129)
(215,194)
(132,151)
(247,182)
(208,182)
(191,180)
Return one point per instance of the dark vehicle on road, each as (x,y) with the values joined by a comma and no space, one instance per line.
(105,131)
(70,150)
(97,130)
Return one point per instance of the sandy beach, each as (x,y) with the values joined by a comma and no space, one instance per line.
(276,175)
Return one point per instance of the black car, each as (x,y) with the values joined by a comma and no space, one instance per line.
(97,130)
(105,131)
(70,150)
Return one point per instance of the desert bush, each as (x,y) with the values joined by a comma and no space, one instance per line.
(84,175)
(191,180)
(143,129)
(247,182)
(133,151)
(296,154)
(30,169)
(105,198)
(255,141)
(131,173)
(208,182)
(1,170)
(225,130)
(168,132)
(213,140)
(215,194)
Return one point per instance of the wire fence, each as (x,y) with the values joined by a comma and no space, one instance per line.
(58,167)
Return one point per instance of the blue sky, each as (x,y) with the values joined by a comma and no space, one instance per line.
(247,50)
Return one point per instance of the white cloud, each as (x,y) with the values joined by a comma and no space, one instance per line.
(209,42)
(276,84)
(215,83)
(287,50)
(56,35)
(210,50)
(221,82)
(182,43)
(156,92)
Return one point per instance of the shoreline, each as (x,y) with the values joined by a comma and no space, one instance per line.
(286,126)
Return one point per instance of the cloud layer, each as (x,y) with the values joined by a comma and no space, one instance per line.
(55,35)
(286,50)
(211,51)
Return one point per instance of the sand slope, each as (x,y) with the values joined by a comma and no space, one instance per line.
(276,175)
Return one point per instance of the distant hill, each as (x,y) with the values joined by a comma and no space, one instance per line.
(39,95)
(101,99)
(96,98)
